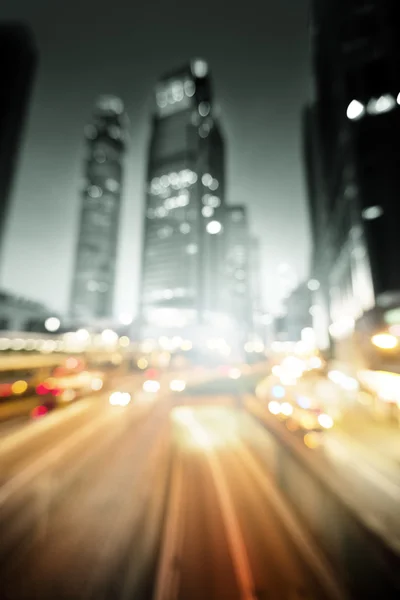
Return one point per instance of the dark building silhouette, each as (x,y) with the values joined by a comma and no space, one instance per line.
(96,256)
(351,134)
(18,68)
(183,254)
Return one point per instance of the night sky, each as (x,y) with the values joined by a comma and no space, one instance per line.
(258,55)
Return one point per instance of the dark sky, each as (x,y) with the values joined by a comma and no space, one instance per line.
(258,54)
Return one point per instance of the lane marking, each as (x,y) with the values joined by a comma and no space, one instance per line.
(303,541)
(167,585)
(339,450)
(234,535)
(33,429)
(42,463)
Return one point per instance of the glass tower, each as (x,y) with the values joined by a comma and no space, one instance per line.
(95,266)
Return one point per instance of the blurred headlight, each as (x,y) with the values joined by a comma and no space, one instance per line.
(287,409)
(151,386)
(385,341)
(274,407)
(177,385)
(325,421)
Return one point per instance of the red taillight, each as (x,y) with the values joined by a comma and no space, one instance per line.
(56,392)
(5,390)
(39,411)
(42,390)
(151,374)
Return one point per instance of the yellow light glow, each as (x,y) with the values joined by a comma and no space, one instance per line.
(19,387)
(96,384)
(325,421)
(274,407)
(142,363)
(385,341)
(311,440)
(177,385)
(124,341)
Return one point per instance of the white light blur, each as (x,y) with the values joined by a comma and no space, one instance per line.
(199,68)
(124,399)
(115,398)
(96,384)
(177,385)
(214,185)
(325,421)
(109,336)
(384,104)
(372,213)
(204,108)
(274,407)
(192,249)
(206,179)
(125,318)
(313,285)
(342,328)
(151,386)
(52,324)
(207,211)
(304,402)
(355,110)
(385,341)
(286,409)
(214,227)
(315,362)
(235,373)
(82,335)
(184,228)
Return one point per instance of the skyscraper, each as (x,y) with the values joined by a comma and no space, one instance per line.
(238,292)
(18,68)
(96,256)
(351,134)
(183,248)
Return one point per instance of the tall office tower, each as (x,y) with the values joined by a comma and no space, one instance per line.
(96,256)
(183,250)
(18,68)
(237,266)
(354,128)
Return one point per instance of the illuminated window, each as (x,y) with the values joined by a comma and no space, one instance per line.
(355,110)
(204,130)
(92,285)
(162,99)
(165,232)
(94,191)
(214,201)
(185,228)
(161,212)
(189,88)
(112,185)
(214,227)
(384,104)
(90,132)
(206,179)
(214,185)
(100,156)
(207,211)
(204,109)
(237,216)
(199,68)
(114,132)
(192,249)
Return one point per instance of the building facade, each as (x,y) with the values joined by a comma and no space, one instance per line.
(183,233)
(16,43)
(352,164)
(238,287)
(96,255)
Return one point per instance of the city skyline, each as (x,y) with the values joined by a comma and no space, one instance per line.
(261,108)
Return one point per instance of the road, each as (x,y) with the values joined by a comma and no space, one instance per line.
(367,478)
(160,499)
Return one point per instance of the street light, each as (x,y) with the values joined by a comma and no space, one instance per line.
(52,324)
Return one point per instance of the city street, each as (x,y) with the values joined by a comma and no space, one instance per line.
(161,499)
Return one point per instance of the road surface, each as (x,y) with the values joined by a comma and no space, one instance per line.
(161,499)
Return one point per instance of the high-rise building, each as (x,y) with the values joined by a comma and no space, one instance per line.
(352,133)
(96,256)
(238,293)
(183,235)
(18,68)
